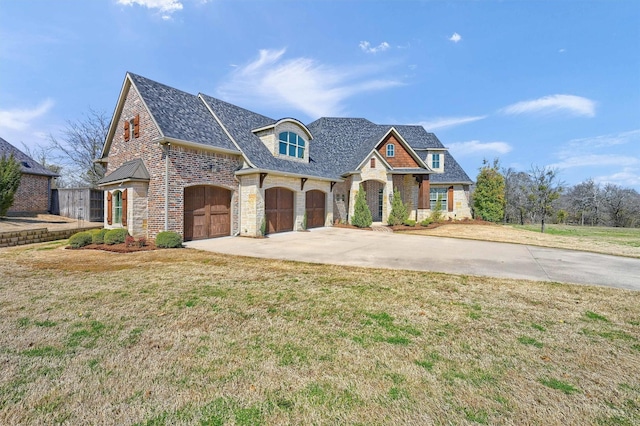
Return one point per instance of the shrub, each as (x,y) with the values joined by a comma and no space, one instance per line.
(168,239)
(129,241)
(115,236)
(97,236)
(361,214)
(80,239)
(426,222)
(436,213)
(399,212)
(142,241)
(410,222)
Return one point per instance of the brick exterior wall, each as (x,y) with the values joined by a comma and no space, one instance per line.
(401,159)
(187,167)
(32,196)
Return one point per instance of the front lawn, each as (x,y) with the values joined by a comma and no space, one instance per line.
(188,337)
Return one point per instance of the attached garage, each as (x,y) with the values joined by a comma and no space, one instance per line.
(207,212)
(278,209)
(315,208)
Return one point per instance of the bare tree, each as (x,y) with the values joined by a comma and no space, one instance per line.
(545,189)
(583,201)
(81,142)
(516,189)
(622,205)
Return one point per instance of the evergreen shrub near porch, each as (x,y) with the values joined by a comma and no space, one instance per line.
(361,214)
(399,213)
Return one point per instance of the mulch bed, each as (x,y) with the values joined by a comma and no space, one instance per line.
(418,226)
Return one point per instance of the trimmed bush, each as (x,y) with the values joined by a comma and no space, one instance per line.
(168,239)
(428,221)
(115,236)
(361,214)
(399,213)
(409,222)
(80,239)
(97,236)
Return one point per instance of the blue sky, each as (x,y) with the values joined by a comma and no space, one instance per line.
(546,83)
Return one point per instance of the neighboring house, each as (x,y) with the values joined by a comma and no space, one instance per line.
(206,168)
(34,193)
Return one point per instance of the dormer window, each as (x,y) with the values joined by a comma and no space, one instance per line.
(291,144)
(435,161)
(391,150)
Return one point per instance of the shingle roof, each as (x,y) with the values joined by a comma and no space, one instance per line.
(131,170)
(27,164)
(181,115)
(453,172)
(339,144)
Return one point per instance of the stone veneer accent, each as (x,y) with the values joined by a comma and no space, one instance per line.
(252,200)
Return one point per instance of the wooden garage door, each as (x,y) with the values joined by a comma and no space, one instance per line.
(315,209)
(207,212)
(278,205)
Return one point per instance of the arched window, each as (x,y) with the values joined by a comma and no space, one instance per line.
(291,144)
(117,207)
(391,150)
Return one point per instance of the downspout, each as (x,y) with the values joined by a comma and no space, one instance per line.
(239,202)
(165,147)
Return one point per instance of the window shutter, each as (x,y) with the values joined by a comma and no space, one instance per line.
(109,209)
(124,208)
(136,126)
(126,131)
(373,163)
(450,199)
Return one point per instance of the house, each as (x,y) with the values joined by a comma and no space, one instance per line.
(206,168)
(34,193)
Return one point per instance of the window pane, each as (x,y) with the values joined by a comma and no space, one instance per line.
(300,152)
(300,141)
(282,137)
(292,150)
(283,148)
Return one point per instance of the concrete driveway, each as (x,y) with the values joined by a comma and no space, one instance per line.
(352,247)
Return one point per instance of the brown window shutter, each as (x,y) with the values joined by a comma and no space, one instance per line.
(126,131)
(124,208)
(450,199)
(136,126)
(373,163)
(109,209)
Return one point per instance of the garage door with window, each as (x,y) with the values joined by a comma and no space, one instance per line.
(207,212)
(315,210)
(278,205)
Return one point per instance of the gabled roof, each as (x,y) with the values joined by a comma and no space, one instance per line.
(27,164)
(129,171)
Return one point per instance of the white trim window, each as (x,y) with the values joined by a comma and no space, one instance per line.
(435,161)
(391,150)
(291,145)
(435,195)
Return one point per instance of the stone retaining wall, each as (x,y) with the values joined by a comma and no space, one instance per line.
(40,235)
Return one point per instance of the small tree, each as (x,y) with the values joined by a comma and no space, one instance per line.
(488,197)
(361,213)
(436,213)
(399,211)
(545,190)
(9,181)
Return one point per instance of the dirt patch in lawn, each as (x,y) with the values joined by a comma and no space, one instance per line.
(509,234)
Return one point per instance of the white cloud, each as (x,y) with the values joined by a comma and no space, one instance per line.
(474,147)
(442,122)
(165,7)
(299,83)
(455,37)
(604,141)
(596,160)
(20,119)
(366,47)
(627,177)
(575,105)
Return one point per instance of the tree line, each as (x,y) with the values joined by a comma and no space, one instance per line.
(539,196)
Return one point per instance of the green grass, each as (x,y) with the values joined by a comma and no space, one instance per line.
(530,341)
(565,388)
